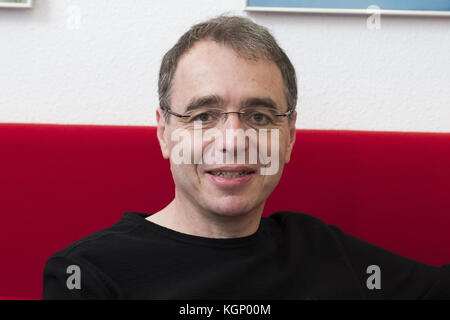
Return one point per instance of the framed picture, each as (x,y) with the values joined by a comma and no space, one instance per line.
(16,3)
(396,7)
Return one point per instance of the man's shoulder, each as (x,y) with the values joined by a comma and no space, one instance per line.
(301,224)
(295,218)
(101,241)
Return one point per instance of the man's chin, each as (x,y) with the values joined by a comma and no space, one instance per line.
(231,206)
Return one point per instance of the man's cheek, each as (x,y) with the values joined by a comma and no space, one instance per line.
(269,146)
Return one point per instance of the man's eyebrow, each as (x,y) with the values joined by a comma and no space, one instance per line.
(266,102)
(199,102)
(215,100)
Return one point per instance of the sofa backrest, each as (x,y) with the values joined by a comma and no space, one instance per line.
(59,183)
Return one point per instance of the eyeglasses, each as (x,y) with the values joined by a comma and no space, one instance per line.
(254,117)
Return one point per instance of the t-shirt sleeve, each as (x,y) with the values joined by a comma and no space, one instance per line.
(66,278)
(383,274)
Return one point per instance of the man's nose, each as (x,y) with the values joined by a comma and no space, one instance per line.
(233,133)
(232,120)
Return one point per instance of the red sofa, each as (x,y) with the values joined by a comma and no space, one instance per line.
(60,183)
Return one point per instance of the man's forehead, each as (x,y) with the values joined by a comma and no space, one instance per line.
(211,52)
(218,101)
(210,69)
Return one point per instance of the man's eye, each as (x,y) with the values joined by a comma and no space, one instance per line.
(203,117)
(259,118)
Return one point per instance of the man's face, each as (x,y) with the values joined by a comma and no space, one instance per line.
(212,69)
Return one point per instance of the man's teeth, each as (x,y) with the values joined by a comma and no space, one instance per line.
(228,174)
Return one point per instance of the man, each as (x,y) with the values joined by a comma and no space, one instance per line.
(228,75)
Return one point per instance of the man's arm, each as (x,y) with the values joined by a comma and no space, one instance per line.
(386,275)
(65,278)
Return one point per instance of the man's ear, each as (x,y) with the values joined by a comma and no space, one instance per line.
(292,135)
(161,133)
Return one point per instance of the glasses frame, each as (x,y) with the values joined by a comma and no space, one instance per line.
(286,114)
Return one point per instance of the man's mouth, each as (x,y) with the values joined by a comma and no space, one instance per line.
(230,174)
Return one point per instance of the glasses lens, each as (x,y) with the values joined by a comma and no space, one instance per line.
(252,117)
(207,117)
(260,118)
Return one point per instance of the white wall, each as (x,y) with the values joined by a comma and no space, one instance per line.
(396,78)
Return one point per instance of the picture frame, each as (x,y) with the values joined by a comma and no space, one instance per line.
(391,7)
(16,3)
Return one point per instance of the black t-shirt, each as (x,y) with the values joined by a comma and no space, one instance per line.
(292,255)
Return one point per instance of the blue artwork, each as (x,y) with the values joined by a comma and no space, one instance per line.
(422,5)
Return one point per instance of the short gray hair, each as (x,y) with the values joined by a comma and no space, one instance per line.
(242,35)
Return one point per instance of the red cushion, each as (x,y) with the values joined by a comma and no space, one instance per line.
(17,298)
(60,183)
